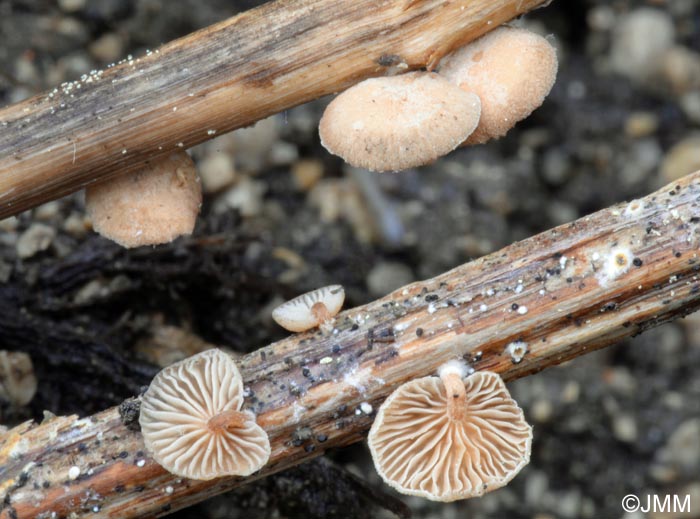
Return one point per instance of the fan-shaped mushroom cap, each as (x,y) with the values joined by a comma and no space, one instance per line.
(398,122)
(511,70)
(153,205)
(311,309)
(192,424)
(422,449)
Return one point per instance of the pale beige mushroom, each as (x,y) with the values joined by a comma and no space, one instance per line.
(192,422)
(398,122)
(153,205)
(445,438)
(511,70)
(315,308)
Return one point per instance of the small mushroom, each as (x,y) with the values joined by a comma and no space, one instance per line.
(398,122)
(315,308)
(511,70)
(445,438)
(192,422)
(153,205)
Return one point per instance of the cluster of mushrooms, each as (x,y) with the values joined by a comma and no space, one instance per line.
(479,92)
(382,124)
(444,438)
(447,437)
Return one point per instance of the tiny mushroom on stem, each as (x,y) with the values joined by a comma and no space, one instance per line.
(447,438)
(398,122)
(192,422)
(153,205)
(511,70)
(315,308)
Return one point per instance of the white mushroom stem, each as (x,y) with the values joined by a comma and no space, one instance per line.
(227,421)
(456,396)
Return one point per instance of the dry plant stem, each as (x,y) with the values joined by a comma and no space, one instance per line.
(456,396)
(224,77)
(563,277)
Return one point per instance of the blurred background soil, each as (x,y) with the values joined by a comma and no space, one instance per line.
(282,216)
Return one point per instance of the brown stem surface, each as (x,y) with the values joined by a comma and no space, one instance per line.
(573,295)
(224,77)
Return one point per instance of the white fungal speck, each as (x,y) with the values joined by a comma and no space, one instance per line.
(562,262)
(456,366)
(169,490)
(401,327)
(616,263)
(522,310)
(633,208)
(73,472)
(326,360)
(517,351)
(366,407)
(595,256)
(431,308)
(518,288)
(483,308)
(140,463)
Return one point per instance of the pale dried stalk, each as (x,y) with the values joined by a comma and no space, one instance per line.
(316,381)
(224,77)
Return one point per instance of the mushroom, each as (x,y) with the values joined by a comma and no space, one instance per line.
(192,422)
(445,438)
(511,70)
(155,204)
(315,308)
(398,122)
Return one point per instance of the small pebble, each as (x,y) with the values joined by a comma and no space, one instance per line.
(625,428)
(640,40)
(217,172)
(387,276)
(35,239)
(307,173)
(683,158)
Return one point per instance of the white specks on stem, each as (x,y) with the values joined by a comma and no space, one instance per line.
(614,264)
(73,472)
(517,350)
